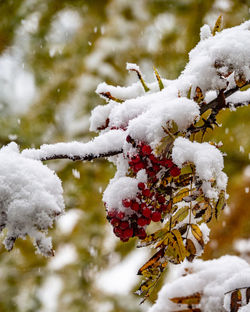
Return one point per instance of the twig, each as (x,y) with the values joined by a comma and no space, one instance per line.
(88,157)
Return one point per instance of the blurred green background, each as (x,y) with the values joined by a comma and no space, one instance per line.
(53,54)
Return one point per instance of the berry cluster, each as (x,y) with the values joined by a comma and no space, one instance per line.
(151,203)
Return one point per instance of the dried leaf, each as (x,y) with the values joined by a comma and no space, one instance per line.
(190,249)
(199,97)
(197,234)
(235,301)
(217,26)
(192,299)
(221,203)
(152,262)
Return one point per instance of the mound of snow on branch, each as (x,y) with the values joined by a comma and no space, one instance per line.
(214,280)
(30,199)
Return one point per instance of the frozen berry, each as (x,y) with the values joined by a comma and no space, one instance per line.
(128,233)
(123,225)
(146,150)
(120,215)
(115,222)
(141,186)
(175,171)
(142,221)
(146,212)
(141,233)
(126,203)
(156,216)
(135,206)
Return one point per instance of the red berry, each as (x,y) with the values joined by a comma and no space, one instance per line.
(129,139)
(120,215)
(142,206)
(112,213)
(126,203)
(141,233)
(141,186)
(175,171)
(167,163)
(156,168)
(161,199)
(115,222)
(148,221)
(117,231)
(142,221)
(146,150)
(156,216)
(136,159)
(146,212)
(146,192)
(128,233)
(135,206)
(124,225)
(139,166)
(153,159)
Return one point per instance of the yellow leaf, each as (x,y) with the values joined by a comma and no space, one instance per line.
(197,234)
(180,195)
(181,250)
(217,26)
(240,79)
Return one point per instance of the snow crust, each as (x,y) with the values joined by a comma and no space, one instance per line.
(31,198)
(208,162)
(212,279)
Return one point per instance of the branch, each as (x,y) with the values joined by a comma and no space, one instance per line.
(88,157)
(216,102)
(105,145)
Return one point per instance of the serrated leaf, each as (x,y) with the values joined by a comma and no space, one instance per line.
(235,303)
(161,86)
(178,197)
(197,234)
(199,97)
(221,203)
(192,299)
(217,26)
(191,249)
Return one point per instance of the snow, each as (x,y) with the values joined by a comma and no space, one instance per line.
(210,278)
(108,142)
(208,162)
(31,199)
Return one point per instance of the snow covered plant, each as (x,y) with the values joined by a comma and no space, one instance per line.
(169,183)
